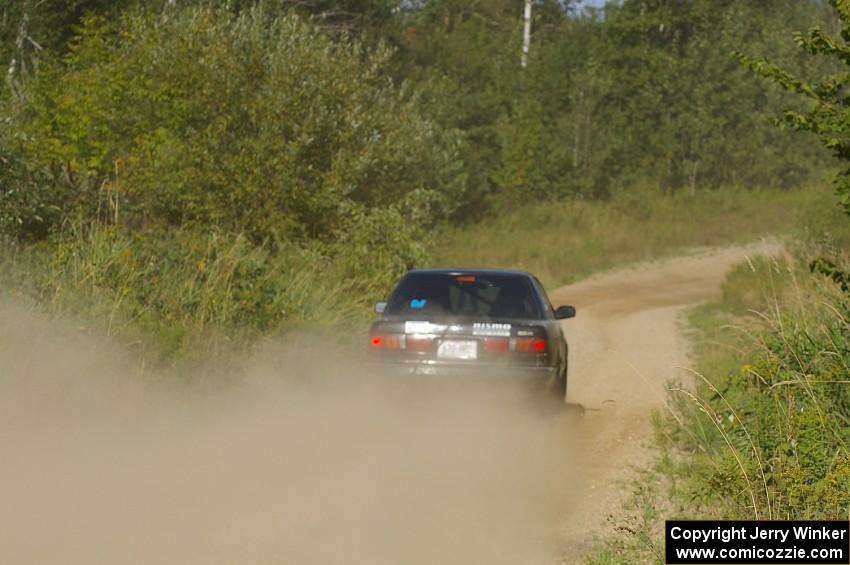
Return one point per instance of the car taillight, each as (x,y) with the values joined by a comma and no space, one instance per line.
(496,344)
(379,341)
(532,345)
(418,343)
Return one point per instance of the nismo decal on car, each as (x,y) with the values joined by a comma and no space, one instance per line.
(491,329)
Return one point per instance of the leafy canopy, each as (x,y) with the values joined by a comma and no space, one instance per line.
(254,124)
(828,113)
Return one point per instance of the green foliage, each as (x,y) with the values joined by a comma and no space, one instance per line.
(378,246)
(466,52)
(770,418)
(29,203)
(648,94)
(244,116)
(688,116)
(523,159)
(254,125)
(828,114)
(28,27)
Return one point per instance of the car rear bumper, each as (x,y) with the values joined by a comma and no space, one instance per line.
(543,375)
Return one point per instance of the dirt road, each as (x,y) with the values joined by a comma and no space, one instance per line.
(626,345)
(308,458)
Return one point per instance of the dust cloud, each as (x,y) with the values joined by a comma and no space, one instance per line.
(299,460)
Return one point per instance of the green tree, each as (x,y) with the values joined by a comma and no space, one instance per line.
(29,26)
(249,123)
(828,113)
(681,112)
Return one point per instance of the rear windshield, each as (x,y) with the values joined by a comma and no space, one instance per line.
(429,295)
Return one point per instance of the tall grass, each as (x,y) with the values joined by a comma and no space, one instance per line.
(766,430)
(565,241)
(182,294)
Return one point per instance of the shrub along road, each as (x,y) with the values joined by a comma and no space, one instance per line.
(625,345)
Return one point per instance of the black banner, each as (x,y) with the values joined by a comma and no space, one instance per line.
(761,542)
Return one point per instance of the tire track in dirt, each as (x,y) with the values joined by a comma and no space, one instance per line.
(625,345)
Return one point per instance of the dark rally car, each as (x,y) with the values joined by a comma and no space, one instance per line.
(473,321)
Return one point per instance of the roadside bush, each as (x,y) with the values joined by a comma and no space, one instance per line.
(250,124)
(29,202)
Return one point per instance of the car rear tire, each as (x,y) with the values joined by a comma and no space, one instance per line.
(559,385)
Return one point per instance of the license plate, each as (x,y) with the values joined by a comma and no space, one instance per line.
(458,349)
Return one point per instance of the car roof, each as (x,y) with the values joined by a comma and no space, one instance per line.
(471,271)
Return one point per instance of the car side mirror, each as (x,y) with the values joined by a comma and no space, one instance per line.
(380,307)
(564,312)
